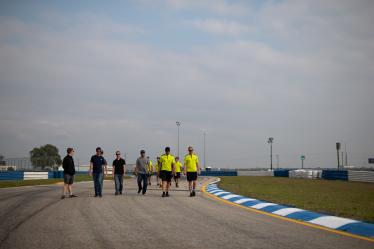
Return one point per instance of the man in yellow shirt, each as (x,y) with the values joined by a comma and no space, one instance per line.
(167,171)
(149,170)
(192,169)
(177,174)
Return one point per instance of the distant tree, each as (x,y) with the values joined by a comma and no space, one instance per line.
(45,156)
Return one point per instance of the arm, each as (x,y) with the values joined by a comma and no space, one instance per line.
(113,170)
(90,170)
(198,168)
(136,167)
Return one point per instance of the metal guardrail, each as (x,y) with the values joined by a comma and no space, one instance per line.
(361,176)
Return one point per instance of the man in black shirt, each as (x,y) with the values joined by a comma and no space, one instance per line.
(118,172)
(97,166)
(69,172)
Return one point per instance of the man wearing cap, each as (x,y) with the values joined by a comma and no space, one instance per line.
(167,171)
(192,169)
(97,166)
(141,172)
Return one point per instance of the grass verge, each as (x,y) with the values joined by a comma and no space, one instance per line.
(345,199)
(19,183)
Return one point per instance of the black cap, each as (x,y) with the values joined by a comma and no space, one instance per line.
(167,149)
(142,151)
(98,149)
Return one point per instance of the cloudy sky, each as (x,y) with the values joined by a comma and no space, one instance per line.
(119,75)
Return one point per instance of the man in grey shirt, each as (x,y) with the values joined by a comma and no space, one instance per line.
(141,172)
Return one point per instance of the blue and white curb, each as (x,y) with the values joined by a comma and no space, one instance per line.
(332,222)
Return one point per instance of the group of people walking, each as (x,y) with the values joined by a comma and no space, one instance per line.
(167,167)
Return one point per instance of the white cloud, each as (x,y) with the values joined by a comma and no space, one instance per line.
(91,88)
(221,7)
(220,27)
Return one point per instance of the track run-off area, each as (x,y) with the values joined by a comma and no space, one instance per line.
(36,217)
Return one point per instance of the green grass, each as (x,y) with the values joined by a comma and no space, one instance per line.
(345,199)
(19,183)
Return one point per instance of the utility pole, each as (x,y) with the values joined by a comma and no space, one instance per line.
(178,124)
(204,134)
(270,141)
(337,152)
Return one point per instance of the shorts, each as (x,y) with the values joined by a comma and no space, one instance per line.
(68,179)
(166,175)
(177,175)
(191,176)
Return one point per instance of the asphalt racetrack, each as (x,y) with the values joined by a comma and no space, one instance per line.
(36,217)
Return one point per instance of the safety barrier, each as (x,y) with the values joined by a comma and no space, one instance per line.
(335,175)
(219,173)
(13,175)
(255,173)
(281,172)
(305,173)
(35,175)
(361,176)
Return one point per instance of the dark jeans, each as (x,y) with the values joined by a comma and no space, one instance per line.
(118,181)
(143,177)
(98,180)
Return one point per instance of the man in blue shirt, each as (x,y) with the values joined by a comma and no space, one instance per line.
(97,166)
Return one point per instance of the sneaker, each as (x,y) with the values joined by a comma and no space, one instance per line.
(139,191)
(96,195)
(149,184)
(167,194)
(191,195)
(120,192)
(163,194)
(143,193)
(62,197)
(71,196)
(116,193)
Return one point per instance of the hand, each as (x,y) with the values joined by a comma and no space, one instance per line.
(184,172)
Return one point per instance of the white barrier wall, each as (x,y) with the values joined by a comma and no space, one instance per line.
(305,173)
(255,173)
(35,175)
(361,176)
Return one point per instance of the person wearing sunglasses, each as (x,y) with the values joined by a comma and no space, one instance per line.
(191,169)
(119,169)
